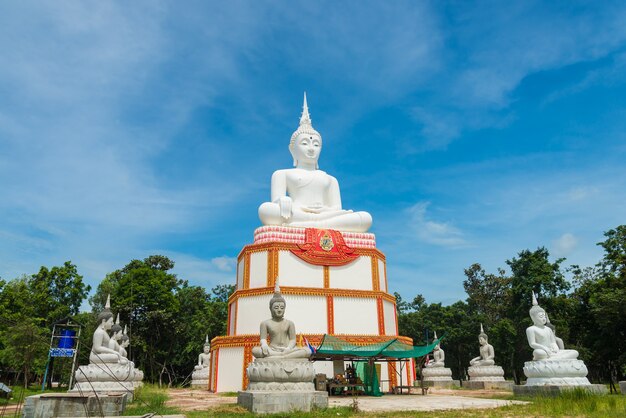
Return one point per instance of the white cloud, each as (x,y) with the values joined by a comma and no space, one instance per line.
(564,245)
(227,264)
(439,233)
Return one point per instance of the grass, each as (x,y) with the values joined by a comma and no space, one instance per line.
(576,403)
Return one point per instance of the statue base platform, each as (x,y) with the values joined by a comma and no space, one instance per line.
(445,384)
(622,387)
(269,402)
(431,374)
(485,374)
(281,375)
(48,405)
(556,390)
(488,385)
(556,373)
(107,379)
(200,378)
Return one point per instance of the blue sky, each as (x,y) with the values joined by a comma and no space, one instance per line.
(470,130)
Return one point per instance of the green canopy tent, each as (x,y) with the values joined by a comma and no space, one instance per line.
(334,348)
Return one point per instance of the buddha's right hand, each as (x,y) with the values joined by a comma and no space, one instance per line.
(285,206)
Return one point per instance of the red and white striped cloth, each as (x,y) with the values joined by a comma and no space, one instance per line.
(271,233)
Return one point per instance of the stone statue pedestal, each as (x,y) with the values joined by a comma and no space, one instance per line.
(281,385)
(551,377)
(438,377)
(200,378)
(487,377)
(107,378)
(622,387)
(556,373)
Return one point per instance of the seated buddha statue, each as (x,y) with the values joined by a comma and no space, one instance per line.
(306,196)
(100,351)
(439,357)
(487,353)
(542,339)
(204,358)
(281,333)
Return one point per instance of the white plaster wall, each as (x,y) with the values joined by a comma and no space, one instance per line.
(258,269)
(384,377)
(292,271)
(355,315)
(390,318)
(325,367)
(240,274)
(230,369)
(356,275)
(252,310)
(308,313)
(381,276)
(231,325)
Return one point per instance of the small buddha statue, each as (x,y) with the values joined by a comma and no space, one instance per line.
(281,333)
(487,353)
(439,356)
(542,339)
(100,351)
(306,196)
(204,358)
(124,342)
(116,335)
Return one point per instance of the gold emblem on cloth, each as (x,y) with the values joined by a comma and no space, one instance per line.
(326,242)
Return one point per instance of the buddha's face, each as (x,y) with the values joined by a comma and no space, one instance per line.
(108,323)
(125,343)
(482,340)
(207,349)
(539,318)
(278,310)
(306,148)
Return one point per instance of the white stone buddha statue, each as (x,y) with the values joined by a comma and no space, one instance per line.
(305,196)
(487,353)
(281,333)
(439,356)
(100,351)
(124,342)
(542,339)
(204,358)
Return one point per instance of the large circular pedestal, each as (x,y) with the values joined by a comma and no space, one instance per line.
(281,375)
(104,377)
(441,374)
(486,373)
(556,372)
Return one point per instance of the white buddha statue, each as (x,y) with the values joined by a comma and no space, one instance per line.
(438,356)
(204,358)
(487,353)
(281,333)
(305,196)
(542,339)
(116,335)
(100,351)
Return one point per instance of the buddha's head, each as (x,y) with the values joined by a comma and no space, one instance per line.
(277,304)
(105,318)
(482,337)
(116,328)
(537,313)
(207,348)
(306,143)
(124,341)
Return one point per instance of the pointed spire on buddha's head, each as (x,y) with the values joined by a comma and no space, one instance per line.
(124,330)
(117,320)
(206,342)
(278,297)
(482,332)
(305,127)
(435,337)
(106,312)
(535,309)
(107,304)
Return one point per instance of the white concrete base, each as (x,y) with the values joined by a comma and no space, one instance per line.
(555,390)
(488,385)
(622,387)
(446,384)
(431,374)
(48,405)
(276,402)
(200,378)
